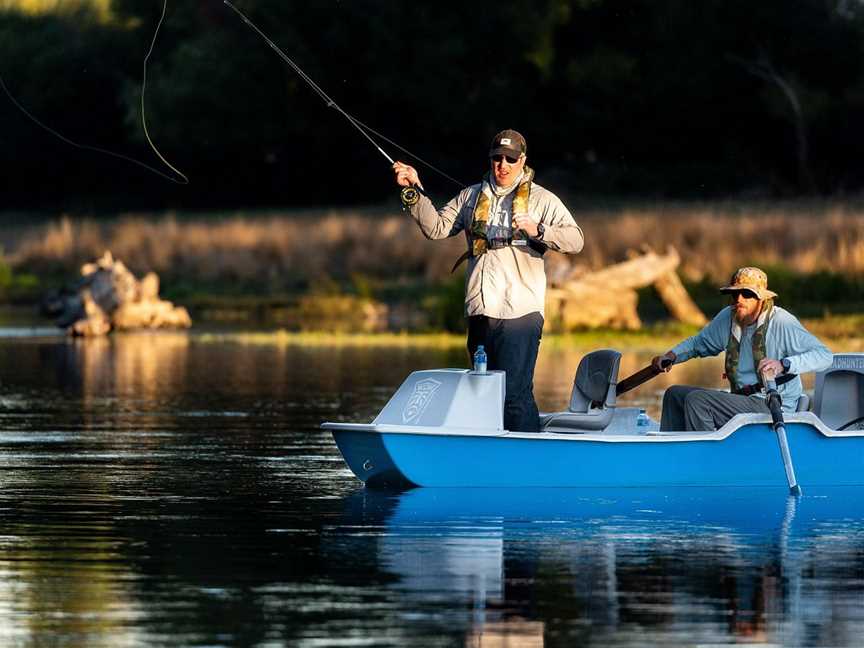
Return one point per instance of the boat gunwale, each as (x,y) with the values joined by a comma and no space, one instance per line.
(734,424)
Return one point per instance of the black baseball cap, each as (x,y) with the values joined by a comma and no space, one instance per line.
(508,142)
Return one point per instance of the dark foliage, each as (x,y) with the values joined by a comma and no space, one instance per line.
(659,98)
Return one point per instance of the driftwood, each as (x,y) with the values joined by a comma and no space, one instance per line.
(109,297)
(608,297)
(677,300)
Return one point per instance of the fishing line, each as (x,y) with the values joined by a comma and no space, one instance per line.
(183,181)
(360,126)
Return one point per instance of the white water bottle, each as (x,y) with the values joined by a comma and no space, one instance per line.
(480,360)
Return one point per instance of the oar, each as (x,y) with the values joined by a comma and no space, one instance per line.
(641,376)
(775,405)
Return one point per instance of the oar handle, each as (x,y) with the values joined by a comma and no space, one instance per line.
(772,398)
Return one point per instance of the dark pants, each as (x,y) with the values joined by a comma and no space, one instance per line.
(698,409)
(511,345)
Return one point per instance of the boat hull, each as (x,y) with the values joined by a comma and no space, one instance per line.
(743,453)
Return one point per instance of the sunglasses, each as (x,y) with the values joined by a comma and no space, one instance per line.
(747,294)
(510,159)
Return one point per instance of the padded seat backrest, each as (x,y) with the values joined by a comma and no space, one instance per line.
(838,398)
(594,384)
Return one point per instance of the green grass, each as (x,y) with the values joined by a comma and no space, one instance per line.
(651,338)
(844,333)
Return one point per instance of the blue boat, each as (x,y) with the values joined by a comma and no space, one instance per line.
(444,428)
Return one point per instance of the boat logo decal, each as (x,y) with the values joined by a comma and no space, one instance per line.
(419,400)
(846,362)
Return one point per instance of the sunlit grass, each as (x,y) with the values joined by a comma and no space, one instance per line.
(839,333)
(102,8)
(326,339)
(320,259)
(299,248)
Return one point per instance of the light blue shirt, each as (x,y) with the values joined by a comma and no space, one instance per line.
(785,338)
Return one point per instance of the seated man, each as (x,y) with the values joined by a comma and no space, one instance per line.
(756,336)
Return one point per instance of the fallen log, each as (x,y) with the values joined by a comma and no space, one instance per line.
(108,297)
(678,301)
(588,306)
(636,272)
(608,298)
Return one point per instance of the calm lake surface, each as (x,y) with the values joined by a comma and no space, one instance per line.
(176,490)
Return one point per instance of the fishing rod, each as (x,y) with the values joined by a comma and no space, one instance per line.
(183,180)
(410,195)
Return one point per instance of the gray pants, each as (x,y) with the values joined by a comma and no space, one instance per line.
(699,409)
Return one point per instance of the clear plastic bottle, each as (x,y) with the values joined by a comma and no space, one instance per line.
(480,360)
(643,423)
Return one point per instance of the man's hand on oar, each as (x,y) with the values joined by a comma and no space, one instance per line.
(775,406)
(663,363)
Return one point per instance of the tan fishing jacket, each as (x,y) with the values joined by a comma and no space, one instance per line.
(509,281)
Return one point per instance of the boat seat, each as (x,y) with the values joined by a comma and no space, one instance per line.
(592,400)
(839,394)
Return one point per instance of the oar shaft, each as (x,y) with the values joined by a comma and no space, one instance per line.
(775,405)
(794,487)
(641,376)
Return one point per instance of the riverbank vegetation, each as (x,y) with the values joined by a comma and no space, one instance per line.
(369,269)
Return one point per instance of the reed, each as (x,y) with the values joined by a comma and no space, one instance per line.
(297,250)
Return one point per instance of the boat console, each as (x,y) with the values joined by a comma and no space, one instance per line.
(449,399)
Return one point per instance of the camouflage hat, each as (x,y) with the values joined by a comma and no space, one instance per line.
(752,279)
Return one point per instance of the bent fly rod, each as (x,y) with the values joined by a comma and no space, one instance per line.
(409,194)
(180,177)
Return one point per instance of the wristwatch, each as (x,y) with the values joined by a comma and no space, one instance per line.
(541,230)
(787,364)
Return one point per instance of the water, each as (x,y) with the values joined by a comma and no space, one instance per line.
(167,490)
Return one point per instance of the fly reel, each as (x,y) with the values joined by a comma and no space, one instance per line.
(410,196)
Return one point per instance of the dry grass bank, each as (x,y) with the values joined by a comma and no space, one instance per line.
(298,249)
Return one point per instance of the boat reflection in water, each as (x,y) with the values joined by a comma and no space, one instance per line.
(537,567)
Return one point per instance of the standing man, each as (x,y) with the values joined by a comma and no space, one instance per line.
(756,336)
(509,222)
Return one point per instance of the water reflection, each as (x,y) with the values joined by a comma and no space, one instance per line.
(616,568)
(161,489)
